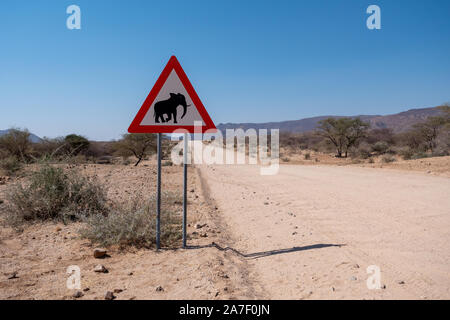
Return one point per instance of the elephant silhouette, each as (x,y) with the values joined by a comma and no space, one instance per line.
(169,107)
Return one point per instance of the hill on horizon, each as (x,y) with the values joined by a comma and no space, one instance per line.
(398,122)
(33,138)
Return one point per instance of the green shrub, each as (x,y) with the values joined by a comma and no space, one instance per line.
(307,156)
(52,194)
(10,166)
(380,147)
(134,224)
(76,144)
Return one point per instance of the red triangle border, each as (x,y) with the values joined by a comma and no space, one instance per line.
(173,64)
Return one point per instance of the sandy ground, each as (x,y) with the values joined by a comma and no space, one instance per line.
(439,166)
(310,232)
(41,253)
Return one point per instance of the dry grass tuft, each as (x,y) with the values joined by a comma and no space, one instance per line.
(134,224)
(53,194)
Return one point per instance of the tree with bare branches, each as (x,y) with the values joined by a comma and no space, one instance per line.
(136,144)
(17,143)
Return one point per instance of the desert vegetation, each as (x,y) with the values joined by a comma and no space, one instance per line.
(17,149)
(137,145)
(53,194)
(49,185)
(342,133)
(134,223)
(351,137)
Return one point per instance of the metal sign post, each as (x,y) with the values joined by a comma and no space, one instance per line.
(185,160)
(158,196)
(158,114)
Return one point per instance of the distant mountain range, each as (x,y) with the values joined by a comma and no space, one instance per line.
(33,138)
(398,122)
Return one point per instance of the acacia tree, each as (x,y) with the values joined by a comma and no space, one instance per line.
(343,133)
(76,144)
(445,108)
(136,144)
(429,130)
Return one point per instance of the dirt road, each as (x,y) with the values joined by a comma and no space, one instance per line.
(312,231)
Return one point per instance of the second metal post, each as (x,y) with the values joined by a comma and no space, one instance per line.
(158,195)
(185,160)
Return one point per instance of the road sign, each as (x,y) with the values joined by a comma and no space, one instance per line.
(171,104)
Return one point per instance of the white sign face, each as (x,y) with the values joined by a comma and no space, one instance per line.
(172,106)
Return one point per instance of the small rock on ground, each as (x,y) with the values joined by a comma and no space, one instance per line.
(13,275)
(100,268)
(99,253)
(109,296)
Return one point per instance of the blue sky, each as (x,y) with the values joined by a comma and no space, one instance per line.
(249,61)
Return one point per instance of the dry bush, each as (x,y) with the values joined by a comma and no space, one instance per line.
(125,161)
(420,155)
(387,158)
(16,143)
(442,144)
(363,151)
(52,194)
(307,156)
(10,166)
(134,224)
(376,135)
(406,153)
(300,141)
(380,147)
(78,159)
(99,149)
(49,149)
(104,160)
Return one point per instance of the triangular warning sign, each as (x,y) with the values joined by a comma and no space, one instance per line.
(171,104)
